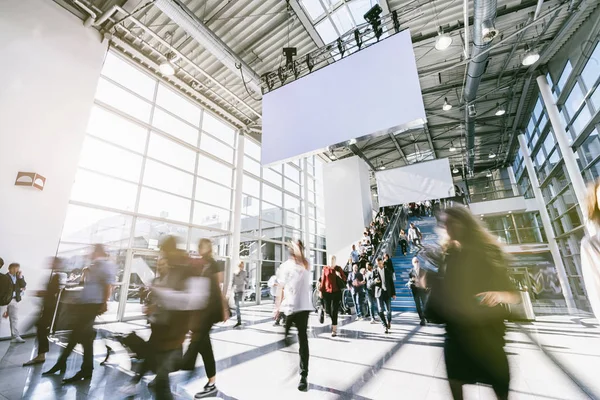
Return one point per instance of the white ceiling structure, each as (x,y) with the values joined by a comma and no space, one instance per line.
(256,31)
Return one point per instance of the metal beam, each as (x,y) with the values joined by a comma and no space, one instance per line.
(428,135)
(354,148)
(398,147)
(310,29)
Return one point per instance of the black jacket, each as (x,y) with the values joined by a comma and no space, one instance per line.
(389,282)
(17,286)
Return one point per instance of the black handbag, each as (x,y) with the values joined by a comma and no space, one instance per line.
(434,307)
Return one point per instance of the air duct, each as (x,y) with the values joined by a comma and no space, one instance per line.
(187,20)
(483,11)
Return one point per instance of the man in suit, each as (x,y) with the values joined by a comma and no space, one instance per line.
(12,309)
(418,287)
(385,291)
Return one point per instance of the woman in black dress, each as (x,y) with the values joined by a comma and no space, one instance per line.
(475,287)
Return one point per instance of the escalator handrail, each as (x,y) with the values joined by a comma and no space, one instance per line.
(390,237)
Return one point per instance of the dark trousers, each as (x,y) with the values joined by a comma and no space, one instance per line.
(201,345)
(332,305)
(300,319)
(83,332)
(238,298)
(404,246)
(384,304)
(166,362)
(420,296)
(42,332)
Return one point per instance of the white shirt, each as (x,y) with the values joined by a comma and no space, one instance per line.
(297,288)
(382,275)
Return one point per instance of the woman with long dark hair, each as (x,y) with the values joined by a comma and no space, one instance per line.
(333,281)
(475,285)
(294,298)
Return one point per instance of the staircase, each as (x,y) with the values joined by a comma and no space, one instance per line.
(402,264)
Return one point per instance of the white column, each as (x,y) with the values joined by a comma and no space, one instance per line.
(546,222)
(236,216)
(305,220)
(513,181)
(563,140)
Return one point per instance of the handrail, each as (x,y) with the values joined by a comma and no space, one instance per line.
(392,233)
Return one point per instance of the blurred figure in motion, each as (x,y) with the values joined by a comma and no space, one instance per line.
(356,284)
(418,286)
(372,302)
(414,237)
(238,284)
(294,297)
(49,299)
(333,281)
(590,249)
(216,310)
(97,286)
(475,285)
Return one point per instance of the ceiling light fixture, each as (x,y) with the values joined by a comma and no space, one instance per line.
(452,148)
(166,67)
(447,106)
(351,142)
(500,110)
(492,155)
(489,174)
(442,41)
(531,57)
(455,170)
(488,31)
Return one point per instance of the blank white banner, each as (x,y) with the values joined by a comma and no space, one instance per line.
(417,182)
(371,92)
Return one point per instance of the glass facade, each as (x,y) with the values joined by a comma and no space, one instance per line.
(154,163)
(518,228)
(576,94)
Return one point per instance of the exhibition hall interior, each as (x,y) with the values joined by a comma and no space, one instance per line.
(300,199)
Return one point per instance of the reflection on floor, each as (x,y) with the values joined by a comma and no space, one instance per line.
(361,363)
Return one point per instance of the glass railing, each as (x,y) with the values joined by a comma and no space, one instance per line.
(492,190)
(520,235)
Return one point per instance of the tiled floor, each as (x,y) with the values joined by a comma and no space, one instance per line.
(361,363)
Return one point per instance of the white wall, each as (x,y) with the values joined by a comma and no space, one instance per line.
(348,208)
(50,72)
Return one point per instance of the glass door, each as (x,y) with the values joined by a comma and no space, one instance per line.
(139,274)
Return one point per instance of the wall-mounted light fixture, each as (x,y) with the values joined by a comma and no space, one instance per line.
(30,179)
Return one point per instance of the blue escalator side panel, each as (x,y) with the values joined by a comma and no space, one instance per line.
(402,264)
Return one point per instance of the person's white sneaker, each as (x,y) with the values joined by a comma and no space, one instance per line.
(18,339)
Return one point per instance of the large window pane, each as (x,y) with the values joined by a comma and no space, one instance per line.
(167,178)
(116,129)
(292,203)
(590,149)
(212,193)
(574,100)
(150,233)
(210,216)
(272,195)
(271,176)
(591,71)
(218,129)
(326,31)
(89,225)
(595,98)
(164,205)
(581,121)
(313,7)
(250,206)
(293,220)
(170,152)
(271,213)
(111,160)
(214,170)
(291,186)
(175,127)
(251,148)
(216,148)
(129,76)
(123,100)
(564,76)
(341,19)
(93,188)
(251,166)
(251,186)
(178,105)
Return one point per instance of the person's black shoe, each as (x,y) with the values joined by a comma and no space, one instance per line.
(56,368)
(303,384)
(237,325)
(80,376)
(109,351)
(276,323)
(386,330)
(423,323)
(209,390)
